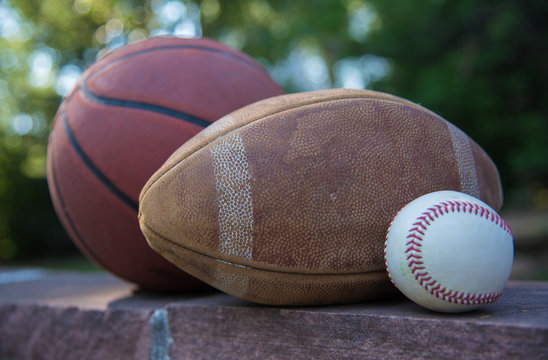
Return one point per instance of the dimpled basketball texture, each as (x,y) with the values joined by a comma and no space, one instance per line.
(287,201)
(127,114)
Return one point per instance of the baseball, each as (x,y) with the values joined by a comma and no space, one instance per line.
(449,252)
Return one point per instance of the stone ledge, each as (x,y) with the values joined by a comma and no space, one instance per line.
(60,315)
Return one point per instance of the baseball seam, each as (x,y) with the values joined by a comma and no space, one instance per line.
(414,251)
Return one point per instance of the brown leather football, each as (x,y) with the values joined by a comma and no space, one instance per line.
(287,201)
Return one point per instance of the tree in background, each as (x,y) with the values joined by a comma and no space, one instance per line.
(481,65)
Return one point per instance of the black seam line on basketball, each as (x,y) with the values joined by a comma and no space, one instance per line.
(71,223)
(243,60)
(64,101)
(95,170)
(143,106)
(272,113)
(254,268)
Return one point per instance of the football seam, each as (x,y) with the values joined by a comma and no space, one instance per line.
(264,116)
(148,228)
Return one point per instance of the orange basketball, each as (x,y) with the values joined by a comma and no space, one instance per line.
(127,114)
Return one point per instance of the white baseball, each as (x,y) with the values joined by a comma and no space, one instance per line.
(449,252)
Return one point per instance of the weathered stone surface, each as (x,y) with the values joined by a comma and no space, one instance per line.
(514,328)
(48,332)
(53,315)
(65,316)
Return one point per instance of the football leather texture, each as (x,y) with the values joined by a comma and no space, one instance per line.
(287,201)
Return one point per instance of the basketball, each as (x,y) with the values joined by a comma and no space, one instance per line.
(128,112)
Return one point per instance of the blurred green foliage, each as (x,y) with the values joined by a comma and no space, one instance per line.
(480,64)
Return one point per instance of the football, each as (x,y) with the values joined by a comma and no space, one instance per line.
(287,201)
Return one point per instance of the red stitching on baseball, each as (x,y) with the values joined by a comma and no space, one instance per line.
(414,236)
(411,242)
(418,230)
(414,250)
(420,224)
(416,268)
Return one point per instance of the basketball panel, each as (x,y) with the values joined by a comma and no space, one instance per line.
(126,145)
(102,226)
(203,84)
